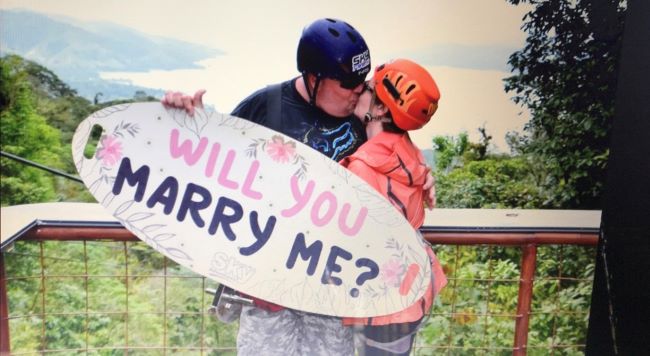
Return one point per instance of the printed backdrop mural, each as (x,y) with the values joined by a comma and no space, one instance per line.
(252,209)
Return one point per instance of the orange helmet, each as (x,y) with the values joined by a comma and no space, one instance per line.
(409,92)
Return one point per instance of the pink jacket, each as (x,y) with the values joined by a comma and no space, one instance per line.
(394,166)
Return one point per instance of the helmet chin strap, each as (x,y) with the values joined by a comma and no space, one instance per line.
(368,117)
(310,93)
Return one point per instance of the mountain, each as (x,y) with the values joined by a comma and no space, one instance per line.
(78,51)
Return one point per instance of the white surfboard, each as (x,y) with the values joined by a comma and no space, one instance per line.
(253,209)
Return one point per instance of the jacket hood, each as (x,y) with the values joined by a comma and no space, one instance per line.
(395,156)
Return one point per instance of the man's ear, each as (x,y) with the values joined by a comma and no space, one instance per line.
(311,80)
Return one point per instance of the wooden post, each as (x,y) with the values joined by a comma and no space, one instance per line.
(4,310)
(528,263)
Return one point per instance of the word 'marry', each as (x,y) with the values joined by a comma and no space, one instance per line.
(195,198)
(194,201)
(227,212)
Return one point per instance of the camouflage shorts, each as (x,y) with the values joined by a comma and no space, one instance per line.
(291,332)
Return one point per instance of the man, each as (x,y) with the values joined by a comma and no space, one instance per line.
(315,108)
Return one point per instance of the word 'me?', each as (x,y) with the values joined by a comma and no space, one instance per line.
(312,255)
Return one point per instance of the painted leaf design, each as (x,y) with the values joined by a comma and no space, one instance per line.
(178,116)
(152,228)
(196,123)
(163,237)
(337,169)
(108,198)
(110,110)
(379,209)
(123,207)
(139,216)
(234,122)
(177,253)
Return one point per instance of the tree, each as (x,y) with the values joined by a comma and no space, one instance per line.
(31,90)
(26,134)
(566,76)
(55,100)
(469,176)
(448,150)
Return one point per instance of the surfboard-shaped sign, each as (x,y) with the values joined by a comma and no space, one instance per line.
(252,209)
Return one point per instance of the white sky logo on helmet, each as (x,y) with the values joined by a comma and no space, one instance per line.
(361,62)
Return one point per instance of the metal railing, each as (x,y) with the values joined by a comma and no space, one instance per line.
(528,243)
(451,315)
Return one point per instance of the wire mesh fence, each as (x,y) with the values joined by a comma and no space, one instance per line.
(475,314)
(108,297)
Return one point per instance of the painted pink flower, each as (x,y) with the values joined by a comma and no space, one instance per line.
(111,150)
(279,150)
(392,272)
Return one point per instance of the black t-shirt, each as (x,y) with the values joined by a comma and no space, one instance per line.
(335,137)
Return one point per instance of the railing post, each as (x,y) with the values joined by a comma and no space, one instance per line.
(4,309)
(528,262)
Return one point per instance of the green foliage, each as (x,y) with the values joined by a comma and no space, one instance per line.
(474,310)
(449,150)
(475,313)
(467,176)
(166,303)
(566,76)
(24,133)
(482,293)
(39,116)
(491,183)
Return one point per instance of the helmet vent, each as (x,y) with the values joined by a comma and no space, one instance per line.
(334,32)
(398,79)
(331,20)
(411,87)
(353,38)
(391,88)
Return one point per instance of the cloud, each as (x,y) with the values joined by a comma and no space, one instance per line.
(471,99)
(463,56)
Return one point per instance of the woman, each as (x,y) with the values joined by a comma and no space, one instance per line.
(401,96)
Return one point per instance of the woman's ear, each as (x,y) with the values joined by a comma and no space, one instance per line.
(381,109)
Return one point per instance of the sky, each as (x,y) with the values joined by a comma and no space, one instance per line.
(464,44)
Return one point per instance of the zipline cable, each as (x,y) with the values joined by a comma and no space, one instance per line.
(40,166)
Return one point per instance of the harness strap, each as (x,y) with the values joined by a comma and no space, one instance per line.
(274,107)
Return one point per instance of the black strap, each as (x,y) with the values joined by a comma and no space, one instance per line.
(274,107)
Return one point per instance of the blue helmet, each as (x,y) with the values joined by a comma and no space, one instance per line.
(331,48)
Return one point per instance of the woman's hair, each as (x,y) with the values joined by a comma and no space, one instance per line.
(388,126)
(391,127)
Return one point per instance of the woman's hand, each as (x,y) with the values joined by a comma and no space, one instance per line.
(430,191)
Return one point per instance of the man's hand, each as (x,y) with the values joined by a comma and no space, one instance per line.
(430,191)
(178,100)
